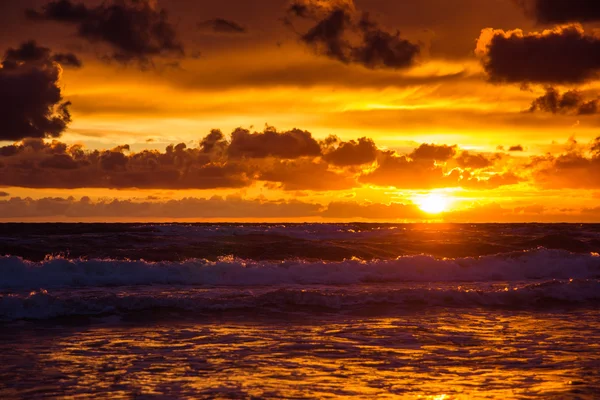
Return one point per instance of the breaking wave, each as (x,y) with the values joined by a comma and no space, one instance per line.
(540,264)
(43,304)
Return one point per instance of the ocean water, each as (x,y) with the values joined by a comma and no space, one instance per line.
(299,311)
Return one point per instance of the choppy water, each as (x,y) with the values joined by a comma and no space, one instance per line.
(299,311)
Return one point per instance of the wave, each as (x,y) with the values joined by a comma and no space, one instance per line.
(19,274)
(42,304)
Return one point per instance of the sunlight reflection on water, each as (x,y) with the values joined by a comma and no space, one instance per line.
(439,354)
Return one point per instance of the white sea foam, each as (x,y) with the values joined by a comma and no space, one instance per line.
(540,264)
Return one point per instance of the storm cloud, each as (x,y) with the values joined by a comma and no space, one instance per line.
(136,30)
(343,33)
(565,54)
(31,101)
(561,11)
(291,144)
(221,25)
(570,102)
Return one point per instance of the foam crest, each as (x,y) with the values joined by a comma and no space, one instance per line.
(19,274)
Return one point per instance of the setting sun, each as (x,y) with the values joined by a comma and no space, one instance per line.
(434,203)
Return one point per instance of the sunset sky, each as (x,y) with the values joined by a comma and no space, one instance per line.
(302,110)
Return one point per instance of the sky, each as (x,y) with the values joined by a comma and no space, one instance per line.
(300,110)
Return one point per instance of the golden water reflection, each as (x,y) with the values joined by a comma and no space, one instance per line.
(448,354)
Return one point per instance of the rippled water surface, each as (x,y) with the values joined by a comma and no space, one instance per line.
(436,353)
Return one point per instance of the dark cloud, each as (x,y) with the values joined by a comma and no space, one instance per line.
(561,11)
(344,34)
(36,164)
(31,52)
(305,174)
(475,161)
(565,54)
(516,148)
(433,152)
(214,207)
(363,151)
(220,25)
(270,143)
(570,102)
(68,60)
(4,194)
(31,102)
(230,207)
(289,161)
(137,30)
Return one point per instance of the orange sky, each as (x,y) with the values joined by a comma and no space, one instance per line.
(439,105)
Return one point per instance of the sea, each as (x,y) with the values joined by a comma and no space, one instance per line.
(299,311)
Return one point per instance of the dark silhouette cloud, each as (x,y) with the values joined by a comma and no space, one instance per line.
(289,161)
(516,148)
(565,54)
(37,164)
(137,30)
(201,208)
(475,161)
(31,52)
(305,174)
(220,25)
(433,152)
(31,102)
(270,143)
(68,60)
(561,11)
(363,151)
(344,34)
(4,194)
(570,102)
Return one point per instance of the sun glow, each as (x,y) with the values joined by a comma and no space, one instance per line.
(434,203)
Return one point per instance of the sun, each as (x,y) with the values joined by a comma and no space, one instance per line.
(434,203)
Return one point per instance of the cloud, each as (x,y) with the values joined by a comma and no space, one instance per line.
(424,172)
(564,54)
(475,161)
(342,33)
(290,161)
(31,102)
(516,148)
(68,60)
(570,102)
(433,152)
(576,168)
(305,174)
(561,11)
(30,52)
(199,208)
(37,164)
(220,25)
(363,151)
(270,143)
(4,194)
(136,30)
(216,207)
